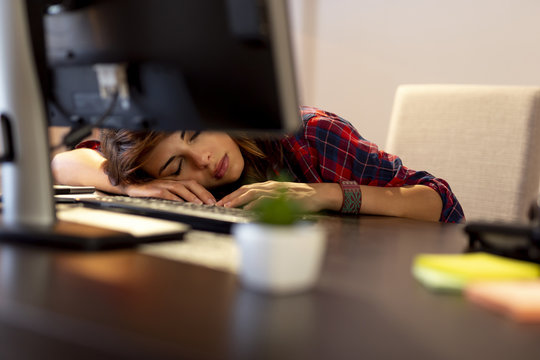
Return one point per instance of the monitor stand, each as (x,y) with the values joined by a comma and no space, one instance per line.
(28,208)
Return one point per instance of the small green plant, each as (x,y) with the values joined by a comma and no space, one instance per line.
(278,211)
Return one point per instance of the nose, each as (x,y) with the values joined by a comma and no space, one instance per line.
(201,158)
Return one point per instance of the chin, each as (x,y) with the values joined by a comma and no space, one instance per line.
(222,182)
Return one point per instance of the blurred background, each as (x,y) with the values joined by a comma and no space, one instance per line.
(352,54)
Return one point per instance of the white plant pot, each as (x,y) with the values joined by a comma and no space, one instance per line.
(280,258)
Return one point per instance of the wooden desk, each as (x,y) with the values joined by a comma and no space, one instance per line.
(125,304)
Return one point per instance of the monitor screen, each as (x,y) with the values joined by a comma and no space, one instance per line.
(190,64)
(136,64)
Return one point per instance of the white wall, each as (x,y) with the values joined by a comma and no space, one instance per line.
(353,53)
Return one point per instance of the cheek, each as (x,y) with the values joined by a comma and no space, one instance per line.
(193,174)
(202,177)
(237,167)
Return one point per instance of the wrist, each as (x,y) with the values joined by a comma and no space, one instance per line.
(352,197)
(330,196)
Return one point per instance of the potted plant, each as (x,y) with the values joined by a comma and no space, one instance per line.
(280,253)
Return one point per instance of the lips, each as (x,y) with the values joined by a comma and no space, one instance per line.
(221,167)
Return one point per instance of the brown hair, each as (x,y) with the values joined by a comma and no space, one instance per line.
(126,150)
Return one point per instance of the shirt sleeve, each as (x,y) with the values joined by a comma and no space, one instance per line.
(330,149)
(89,144)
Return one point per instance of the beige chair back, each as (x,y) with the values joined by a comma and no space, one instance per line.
(484,140)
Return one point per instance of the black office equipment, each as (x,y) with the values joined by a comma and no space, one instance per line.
(69,189)
(89,238)
(199,217)
(139,64)
(179,65)
(516,240)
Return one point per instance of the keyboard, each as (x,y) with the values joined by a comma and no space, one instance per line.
(199,217)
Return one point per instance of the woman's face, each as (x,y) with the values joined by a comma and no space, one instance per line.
(211,158)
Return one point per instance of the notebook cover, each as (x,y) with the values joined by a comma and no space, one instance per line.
(454,271)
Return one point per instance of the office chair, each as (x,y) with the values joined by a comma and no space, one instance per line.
(484,140)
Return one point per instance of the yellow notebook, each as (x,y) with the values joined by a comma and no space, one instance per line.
(453,272)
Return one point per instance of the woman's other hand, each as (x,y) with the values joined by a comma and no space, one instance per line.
(312,197)
(178,190)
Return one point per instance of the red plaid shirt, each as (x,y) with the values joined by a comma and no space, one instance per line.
(329,149)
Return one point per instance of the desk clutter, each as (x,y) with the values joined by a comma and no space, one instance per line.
(504,285)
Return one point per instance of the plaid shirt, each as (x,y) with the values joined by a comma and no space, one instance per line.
(329,149)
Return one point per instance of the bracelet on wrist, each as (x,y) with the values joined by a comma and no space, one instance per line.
(352,197)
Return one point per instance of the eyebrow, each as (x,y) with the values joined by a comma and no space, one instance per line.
(166,164)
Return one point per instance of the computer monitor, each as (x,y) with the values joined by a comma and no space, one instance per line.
(187,64)
(161,64)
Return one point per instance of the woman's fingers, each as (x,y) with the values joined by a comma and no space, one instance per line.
(249,193)
(192,191)
(231,198)
(189,191)
(242,197)
(253,204)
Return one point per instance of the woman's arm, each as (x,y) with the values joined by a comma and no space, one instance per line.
(411,201)
(85,167)
(415,201)
(82,167)
(331,150)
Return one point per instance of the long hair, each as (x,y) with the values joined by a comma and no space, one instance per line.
(126,150)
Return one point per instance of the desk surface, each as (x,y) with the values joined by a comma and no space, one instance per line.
(127,304)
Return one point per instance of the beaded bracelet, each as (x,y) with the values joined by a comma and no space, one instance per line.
(352,197)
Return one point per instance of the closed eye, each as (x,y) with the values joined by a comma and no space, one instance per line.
(179,169)
(194,136)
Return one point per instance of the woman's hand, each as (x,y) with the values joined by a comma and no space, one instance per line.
(312,197)
(178,190)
